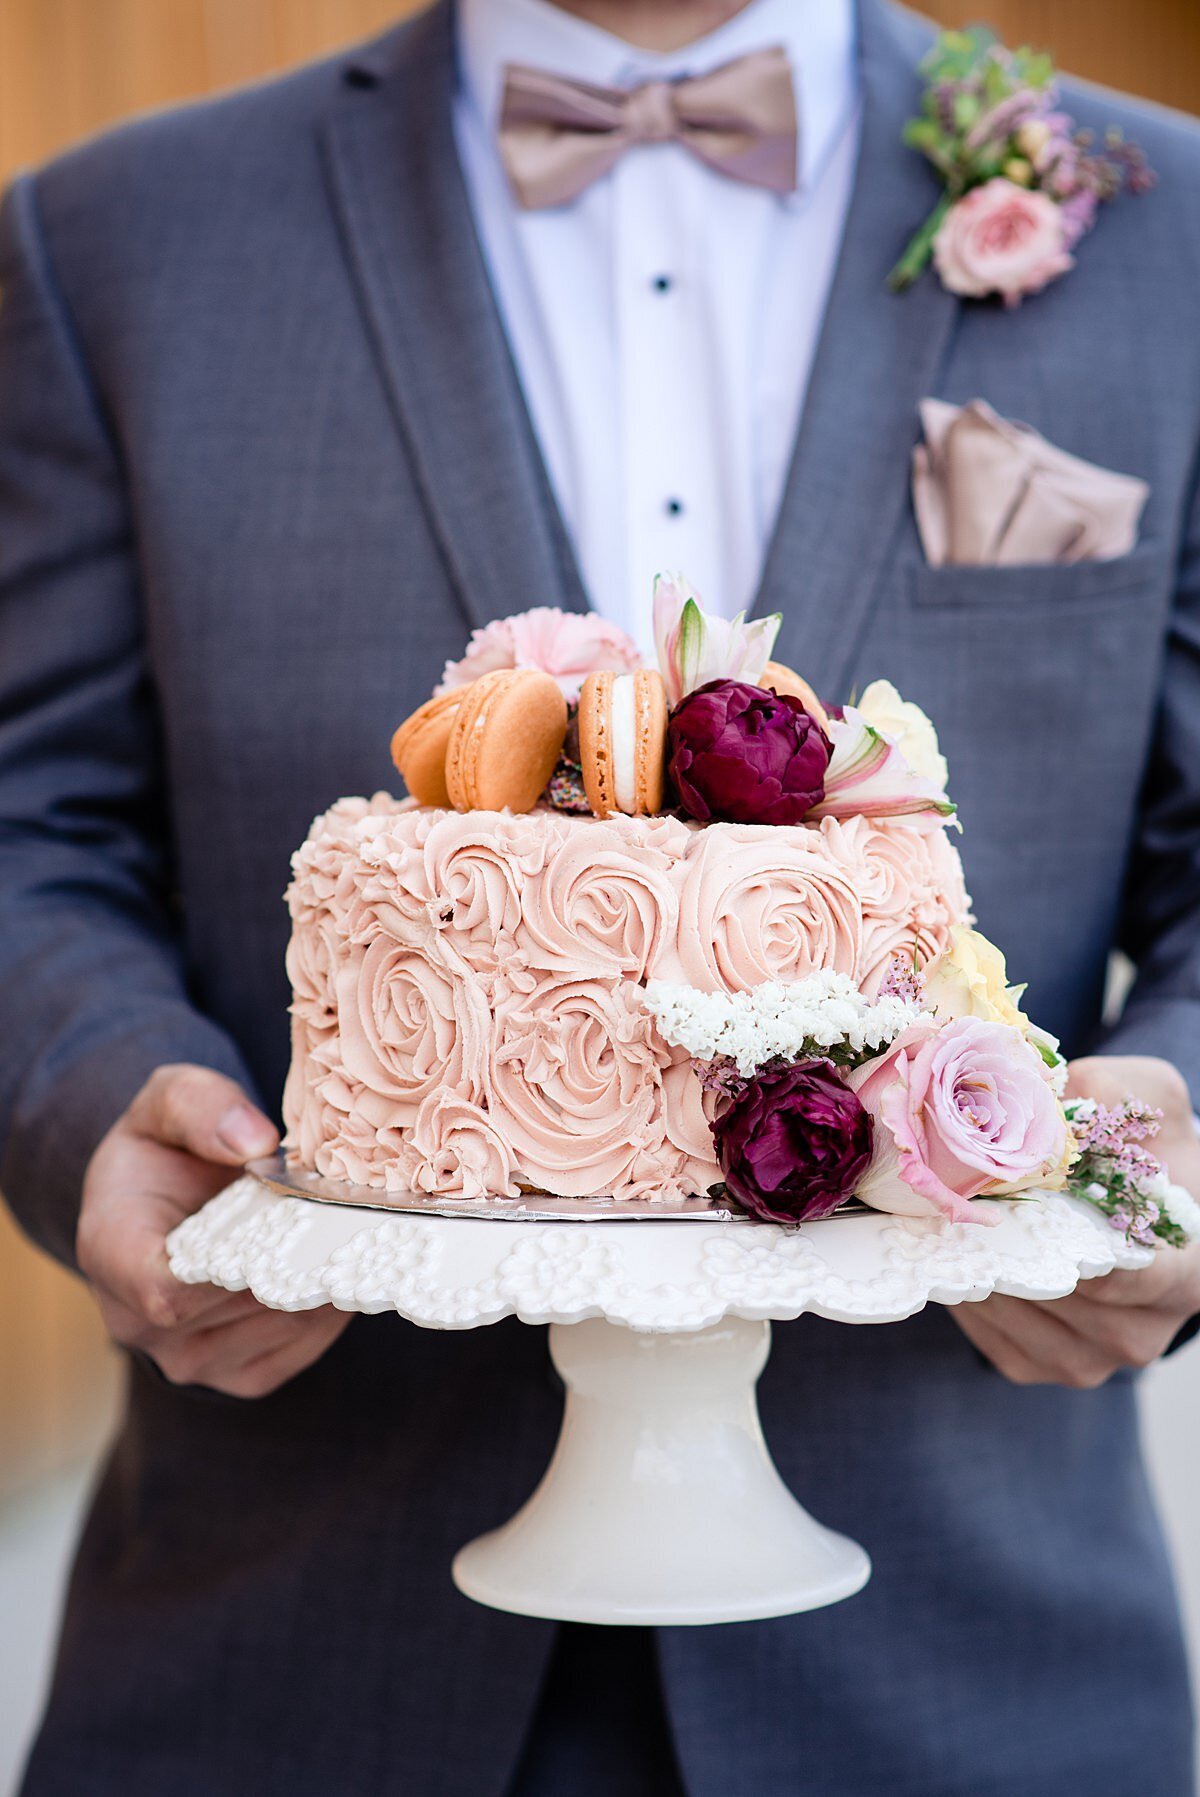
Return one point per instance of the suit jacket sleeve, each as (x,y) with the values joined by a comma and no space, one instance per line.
(1161,922)
(93,993)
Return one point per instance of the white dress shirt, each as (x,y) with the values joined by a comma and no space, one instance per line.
(663,324)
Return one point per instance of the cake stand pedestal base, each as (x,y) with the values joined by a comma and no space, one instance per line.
(662,1504)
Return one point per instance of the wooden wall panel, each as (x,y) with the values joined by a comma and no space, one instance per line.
(1152,48)
(70,67)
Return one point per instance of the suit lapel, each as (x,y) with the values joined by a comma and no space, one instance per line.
(878,356)
(415,255)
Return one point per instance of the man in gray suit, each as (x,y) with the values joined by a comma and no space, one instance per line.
(273,434)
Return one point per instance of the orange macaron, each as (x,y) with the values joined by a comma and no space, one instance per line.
(786,682)
(506,737)
(419,747)
(623,742)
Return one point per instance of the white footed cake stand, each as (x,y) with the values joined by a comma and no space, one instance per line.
(660,1331)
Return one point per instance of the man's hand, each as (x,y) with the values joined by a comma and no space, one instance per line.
(176,1146)
(1126,1319)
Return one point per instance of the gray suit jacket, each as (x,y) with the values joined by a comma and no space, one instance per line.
(263,461)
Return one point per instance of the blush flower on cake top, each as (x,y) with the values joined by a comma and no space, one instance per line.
(695,646)
(566,645)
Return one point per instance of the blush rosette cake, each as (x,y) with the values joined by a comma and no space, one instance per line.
(768,988)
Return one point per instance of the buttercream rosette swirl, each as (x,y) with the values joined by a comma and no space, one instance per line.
(575,1085)
(606,904)
(762,902)
(408,1026)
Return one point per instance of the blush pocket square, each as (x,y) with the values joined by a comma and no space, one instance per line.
(991,493)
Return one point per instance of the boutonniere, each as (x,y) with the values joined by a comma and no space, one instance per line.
(1022,183)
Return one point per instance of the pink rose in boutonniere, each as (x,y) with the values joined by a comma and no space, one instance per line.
(1022,184)
(1001,238)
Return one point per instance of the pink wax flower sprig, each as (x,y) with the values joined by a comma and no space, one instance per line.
(694,646)
(1121,1177)
(904,980)
(1022,183)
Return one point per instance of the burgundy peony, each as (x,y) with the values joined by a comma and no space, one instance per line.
(746,755)
(795,1144)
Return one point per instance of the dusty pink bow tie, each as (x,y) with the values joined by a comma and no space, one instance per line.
(558,136)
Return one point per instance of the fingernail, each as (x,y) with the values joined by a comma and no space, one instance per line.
(246,1132)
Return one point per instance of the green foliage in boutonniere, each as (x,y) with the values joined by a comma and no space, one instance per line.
(1022,183)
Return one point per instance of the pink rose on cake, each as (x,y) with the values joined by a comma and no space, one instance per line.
(335,1135)
(480,870)
(409,1026)
(364,873)
(909,877)
(961,1111)
(762,902)
(456,1151)
(606,903)
(1002,238)
(575,1081)
(568,645)
(396,891)
(311,962)
(685,1116)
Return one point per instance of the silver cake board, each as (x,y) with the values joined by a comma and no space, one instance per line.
(290,1181)
(535,1207)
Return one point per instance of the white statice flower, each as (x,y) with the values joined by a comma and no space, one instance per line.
(825,1011)
(1176,1203)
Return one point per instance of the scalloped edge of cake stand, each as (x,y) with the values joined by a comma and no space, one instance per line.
(462,1273)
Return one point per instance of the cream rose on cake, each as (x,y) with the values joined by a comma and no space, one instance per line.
(686,1111)
(395,890)
(363,875)
(409,1025)
(606,903)
(762,902)
(575,1080)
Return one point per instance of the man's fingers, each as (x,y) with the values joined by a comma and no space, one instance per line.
(253,1356)
(994,1344)
(199,1307)
(202,1112)
(1032,1345)
(261,1376)
(205,1356)
(1115,1335)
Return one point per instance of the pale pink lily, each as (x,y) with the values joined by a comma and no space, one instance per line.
(695,647)
(869,777)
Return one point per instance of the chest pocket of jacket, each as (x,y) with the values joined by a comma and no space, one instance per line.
(1060,590)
